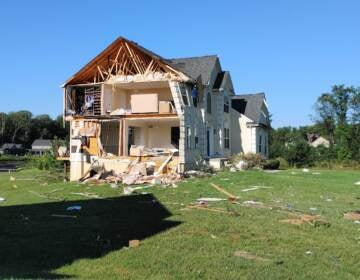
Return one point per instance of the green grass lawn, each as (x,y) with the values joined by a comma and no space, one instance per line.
(177,242)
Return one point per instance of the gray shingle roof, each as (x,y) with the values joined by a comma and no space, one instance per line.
(11,146)
(195,66)
(42,142)
(253,105)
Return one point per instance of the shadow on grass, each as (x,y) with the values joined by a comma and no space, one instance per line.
(33,242)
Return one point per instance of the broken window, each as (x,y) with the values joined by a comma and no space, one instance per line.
(227,138)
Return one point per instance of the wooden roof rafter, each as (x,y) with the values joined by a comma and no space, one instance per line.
(125,58)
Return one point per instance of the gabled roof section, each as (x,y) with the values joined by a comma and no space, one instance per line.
(250,105)
(196,66)
(124,57)
(42,142)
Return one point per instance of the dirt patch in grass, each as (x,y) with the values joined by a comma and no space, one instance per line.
(352,216)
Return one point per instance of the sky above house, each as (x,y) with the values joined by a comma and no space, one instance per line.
(291,50)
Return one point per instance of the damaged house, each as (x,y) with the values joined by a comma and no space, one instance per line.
(130,105)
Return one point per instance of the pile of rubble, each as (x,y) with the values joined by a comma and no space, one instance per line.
(138,172)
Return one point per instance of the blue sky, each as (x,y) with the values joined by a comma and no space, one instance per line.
(292,50)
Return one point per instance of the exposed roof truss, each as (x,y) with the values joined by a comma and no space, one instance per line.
(125,58)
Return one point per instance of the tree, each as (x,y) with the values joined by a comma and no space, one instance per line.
(20,122)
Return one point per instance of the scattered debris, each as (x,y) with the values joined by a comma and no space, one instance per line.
(308,253)
(272,171)
(130,190)
(213,236)
(220,189)
(2,199)
(313,209)
(316,173)
(134,243)
(88,195)
(357,183)
(352,216)
(249,256)
(254,188)
(64,216)
(113,186)
(357,222)
(242,165)
(219,210)
(210,199)
(253,203)
(74,208)
(305,170)
(328,200)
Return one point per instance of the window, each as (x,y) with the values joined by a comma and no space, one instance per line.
(194,95)
(226,104)
(265,145)
(227,138)
(188,138)
(196,138)
(208,102)
(260,144)
(184,95)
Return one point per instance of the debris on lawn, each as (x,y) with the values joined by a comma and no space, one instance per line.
(313,209)
(44,195)
(254,188)
(271,171)
(210,199)
(309,253)
(357,183)
(130,190)
(134,243)
(242,165)
(249,256)
(137,172)
(230,196)
(314,220)
(213,236)
(316,173)
(204,207)
(88,195)
(113,186)
(74,208)
(63,216)
(2,199)
(252,203)
(306,170)
(352,216)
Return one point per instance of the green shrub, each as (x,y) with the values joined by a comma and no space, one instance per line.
(283,163)
(271,164)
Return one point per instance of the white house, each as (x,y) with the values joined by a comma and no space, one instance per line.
(129,101)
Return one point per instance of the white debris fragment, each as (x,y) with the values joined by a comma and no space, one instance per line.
(2,199)
(305,170)
(254,188)
(210,199)
(357,183)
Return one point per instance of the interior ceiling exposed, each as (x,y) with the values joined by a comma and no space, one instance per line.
(123,58)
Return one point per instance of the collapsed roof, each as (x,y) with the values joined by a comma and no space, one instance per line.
(125,57)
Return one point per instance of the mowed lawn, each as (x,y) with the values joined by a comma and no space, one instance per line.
(39,238)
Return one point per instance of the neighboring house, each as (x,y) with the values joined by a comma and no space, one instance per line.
(41,146)
(250,114)
(316,140)
(129,97)
(12,149)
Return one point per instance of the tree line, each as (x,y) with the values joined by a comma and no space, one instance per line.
(336,118)
(23,127)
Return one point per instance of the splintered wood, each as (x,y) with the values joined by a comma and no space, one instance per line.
(126,60)
(230,196)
